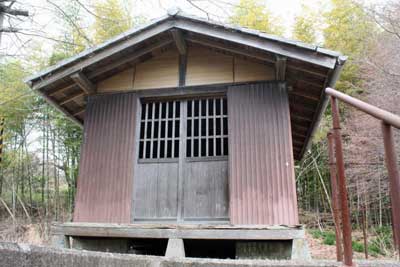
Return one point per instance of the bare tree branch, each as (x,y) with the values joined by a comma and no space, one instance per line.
(72,22)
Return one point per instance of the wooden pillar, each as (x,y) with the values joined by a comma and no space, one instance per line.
(394,179)
(335,197)
(346,223)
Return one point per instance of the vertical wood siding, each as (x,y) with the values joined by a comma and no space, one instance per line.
(261,171)
(106,168)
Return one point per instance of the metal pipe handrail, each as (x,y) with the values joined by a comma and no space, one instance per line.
(376,112)
(388,120)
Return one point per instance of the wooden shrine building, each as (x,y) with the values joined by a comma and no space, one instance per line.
(191,129)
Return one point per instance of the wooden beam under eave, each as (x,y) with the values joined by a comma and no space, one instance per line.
(230,48)
(79,111)
(280,68)
(60,90)
(84,83)
(179,41)
(299,117)
(300,94)
(130,58)
(71,98)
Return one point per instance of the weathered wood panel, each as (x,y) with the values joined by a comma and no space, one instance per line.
(155,192)
(248,70)
(122,81)
(261,168)
(106,168)
(207,67)
(204,231)
(204,66)
(206,191)
(158,72)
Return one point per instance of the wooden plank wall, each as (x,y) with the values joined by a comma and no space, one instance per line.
(204,66)
(106,168)
(159,72)
(261,167)
(123,81)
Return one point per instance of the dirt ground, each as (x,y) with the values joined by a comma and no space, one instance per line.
(321,251)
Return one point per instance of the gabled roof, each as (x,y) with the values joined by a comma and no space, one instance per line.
(309,69)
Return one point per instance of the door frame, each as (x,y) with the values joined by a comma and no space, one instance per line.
(180,94)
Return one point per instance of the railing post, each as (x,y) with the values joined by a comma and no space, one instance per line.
(346,223)
(394,179)
(335,197)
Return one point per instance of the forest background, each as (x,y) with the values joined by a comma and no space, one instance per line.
(40,148)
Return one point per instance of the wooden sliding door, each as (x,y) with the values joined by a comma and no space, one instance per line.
(181,172)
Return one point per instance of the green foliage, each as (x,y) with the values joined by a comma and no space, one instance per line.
(328,237)
(306,25)
(379,244)
(112,18)
(357,246)
(16,100)
(317,234)
(382,242)
(255,15)
(349,30)
(73,32)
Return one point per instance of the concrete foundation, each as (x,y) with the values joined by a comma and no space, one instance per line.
(60,241)
(117,245)
(241,241)
(300,250)
(276,250)
(175,248)
(12,254)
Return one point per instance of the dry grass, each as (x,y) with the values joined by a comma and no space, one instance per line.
(22,232)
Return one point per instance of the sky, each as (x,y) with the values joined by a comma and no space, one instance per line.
(44,23)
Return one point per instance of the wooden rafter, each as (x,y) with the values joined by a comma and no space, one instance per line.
(79,111)
(298,136)
(300,117)
(70,98)
(84,83)
(230,48)
(60,90)
(307,96)
(130,58)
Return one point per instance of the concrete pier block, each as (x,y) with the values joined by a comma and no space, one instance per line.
(300,249)
(175,248)
(60,241)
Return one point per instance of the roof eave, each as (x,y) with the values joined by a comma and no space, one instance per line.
(334,77)
(313,51)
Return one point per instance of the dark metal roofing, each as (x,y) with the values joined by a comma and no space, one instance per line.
(310,69)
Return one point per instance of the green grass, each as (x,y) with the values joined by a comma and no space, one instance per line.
(357,246)
(328,237)
(378,244)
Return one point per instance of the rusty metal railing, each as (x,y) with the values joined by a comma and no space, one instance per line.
(337,171)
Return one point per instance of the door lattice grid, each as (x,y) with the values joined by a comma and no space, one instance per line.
(159,130)
(207,128)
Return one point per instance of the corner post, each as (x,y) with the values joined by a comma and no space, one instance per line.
(394,179)
(335,195)
(346,223)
